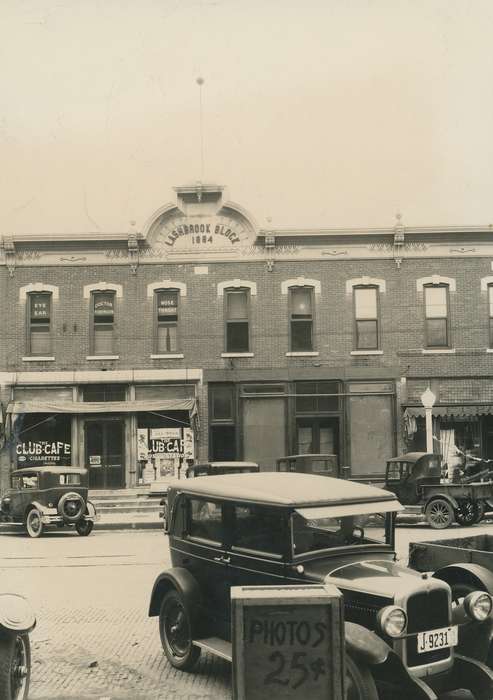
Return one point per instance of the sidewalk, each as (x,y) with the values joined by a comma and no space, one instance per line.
(108,521)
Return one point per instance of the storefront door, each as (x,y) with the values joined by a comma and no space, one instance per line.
(104,453)
(318,436)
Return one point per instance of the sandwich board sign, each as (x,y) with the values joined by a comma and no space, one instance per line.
(288,642)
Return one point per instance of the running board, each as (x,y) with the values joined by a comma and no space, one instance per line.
(216,646)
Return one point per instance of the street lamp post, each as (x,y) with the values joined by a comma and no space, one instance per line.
(428,399)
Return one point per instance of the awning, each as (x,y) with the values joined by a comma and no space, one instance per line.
(458,411)
(18,407)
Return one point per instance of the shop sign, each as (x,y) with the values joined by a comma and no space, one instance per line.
(203,232)
(42,451)
(40,307)
(103,305)
(95,460)
(167,304)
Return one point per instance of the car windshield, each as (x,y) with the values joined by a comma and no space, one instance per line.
(314,534)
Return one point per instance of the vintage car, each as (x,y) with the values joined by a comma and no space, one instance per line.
(322,464)
(48,495)
(16,621)
(416,480)
(207,469)
(401,627)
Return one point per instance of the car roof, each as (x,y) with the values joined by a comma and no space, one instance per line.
(285,488)
(48,469)
(411,457)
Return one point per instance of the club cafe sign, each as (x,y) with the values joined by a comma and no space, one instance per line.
(214,232)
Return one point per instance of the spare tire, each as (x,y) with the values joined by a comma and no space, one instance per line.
(71,507)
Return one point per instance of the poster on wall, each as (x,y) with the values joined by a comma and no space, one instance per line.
(162,452)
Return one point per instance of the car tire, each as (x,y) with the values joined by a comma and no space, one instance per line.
(175,630)
(74,515)
(34,525)
(15,666)
(467,512)
(439,514)
(359,682)
(84,527)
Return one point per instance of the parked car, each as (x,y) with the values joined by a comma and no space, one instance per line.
(48,495)
(401,627)
(206,469)
(16,621)
(322,464)
(416,480)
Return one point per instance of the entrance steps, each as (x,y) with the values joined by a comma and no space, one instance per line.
(124,501)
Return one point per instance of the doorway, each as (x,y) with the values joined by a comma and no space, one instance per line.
(105,453)
(317,436)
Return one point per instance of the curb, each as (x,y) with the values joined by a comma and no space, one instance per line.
(8,529)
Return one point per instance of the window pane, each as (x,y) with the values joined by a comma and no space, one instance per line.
(366,335)
(205,520)
(326,439)
(237,337)
(436,302)
(167,338)
(301,302)
(305,439)
(103,307)
(436,332)
(223,443)
(258,528)
(167,305)
(40,308)
(237,305)
(301,336)
(40,340)
(222,403)
(103,339)
(365,301)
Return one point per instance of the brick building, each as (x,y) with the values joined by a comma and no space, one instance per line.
(206,337)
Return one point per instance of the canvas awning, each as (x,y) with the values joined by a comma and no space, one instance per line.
(19,407)
(459,411)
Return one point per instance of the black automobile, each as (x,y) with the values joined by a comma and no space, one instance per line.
(17,620)
(407,634)
(48,495)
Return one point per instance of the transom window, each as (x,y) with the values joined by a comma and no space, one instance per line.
(103,317)
(237,326)
(436,316)
(39,324)
(366,318)
(166,321)
(301,319)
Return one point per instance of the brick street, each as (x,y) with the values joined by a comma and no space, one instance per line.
(93,638)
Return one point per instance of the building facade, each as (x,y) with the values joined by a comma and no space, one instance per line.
(205,337)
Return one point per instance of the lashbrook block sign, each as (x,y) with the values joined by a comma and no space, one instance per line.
(288,642)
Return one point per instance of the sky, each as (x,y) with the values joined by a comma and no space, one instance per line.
(315,113)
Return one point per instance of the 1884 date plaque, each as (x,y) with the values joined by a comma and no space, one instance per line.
(288,642)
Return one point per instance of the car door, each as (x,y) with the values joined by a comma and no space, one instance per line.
(258,545)
(201,550)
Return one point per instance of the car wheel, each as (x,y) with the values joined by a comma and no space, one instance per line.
(439,514)
(176,632)
(34,525)
(84,527)
(71,506)
(467,513)
(359,682)
(15,666)
(481,509)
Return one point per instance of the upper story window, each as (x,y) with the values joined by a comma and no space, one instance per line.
(166,314)
(436,316)
(39,323)
(237,325)
(103,323)
(366,318)
(490,310)
(301,319)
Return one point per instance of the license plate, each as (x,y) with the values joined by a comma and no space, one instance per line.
(437,639)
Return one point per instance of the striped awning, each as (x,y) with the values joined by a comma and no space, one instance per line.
(456,411)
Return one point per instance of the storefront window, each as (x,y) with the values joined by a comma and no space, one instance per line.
(41,438)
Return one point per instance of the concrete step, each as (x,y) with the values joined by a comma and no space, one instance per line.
(137,502)
(116,494)
(122,508)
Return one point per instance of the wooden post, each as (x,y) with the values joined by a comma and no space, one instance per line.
(288,642)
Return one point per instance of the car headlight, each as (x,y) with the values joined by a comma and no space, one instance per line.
(478,605)
(392,621)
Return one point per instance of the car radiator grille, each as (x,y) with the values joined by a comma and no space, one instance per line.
(426,611)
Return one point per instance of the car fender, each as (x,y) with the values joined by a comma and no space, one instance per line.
(44,510)
(16,615)
(474,574)
(365,646)
(444,496)
(90,509)
(179,579)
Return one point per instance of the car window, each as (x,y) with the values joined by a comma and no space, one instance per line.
(205,519)
(258,528)
(327,533)
(70,479)
(394,473)
(29,482)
